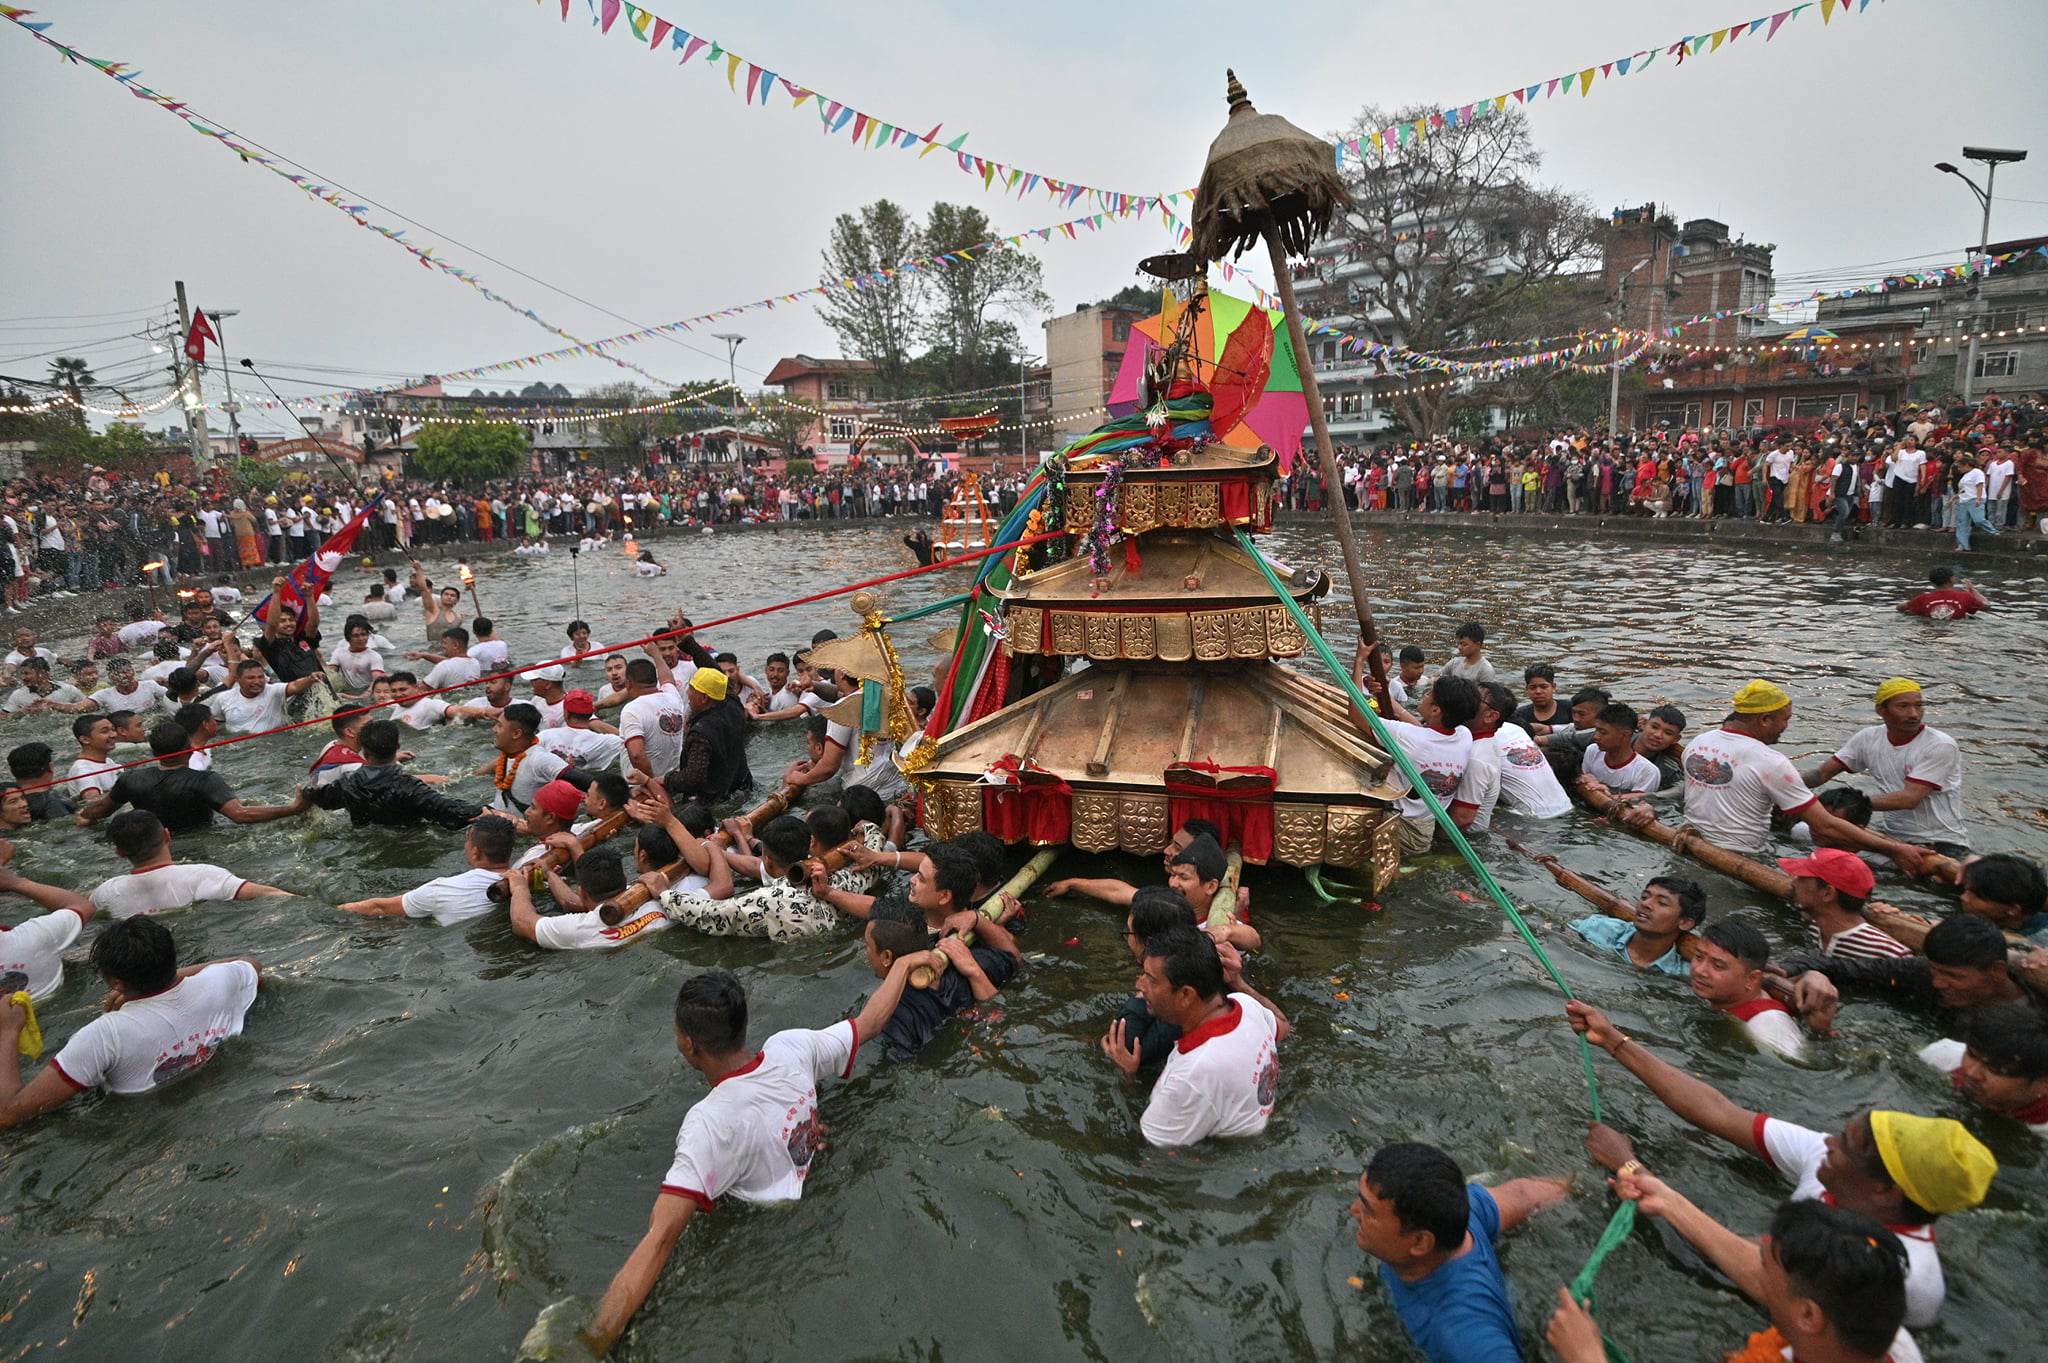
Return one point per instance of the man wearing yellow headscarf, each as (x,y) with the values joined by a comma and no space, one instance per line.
(1918,771)
(1900,1170)
(1735,777)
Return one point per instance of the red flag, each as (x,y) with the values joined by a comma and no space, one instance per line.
(306,581)
(196,339)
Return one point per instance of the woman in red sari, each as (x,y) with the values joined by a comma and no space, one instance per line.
(2033,480)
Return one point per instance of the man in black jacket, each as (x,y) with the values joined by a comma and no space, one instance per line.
(380,792)
(714,761)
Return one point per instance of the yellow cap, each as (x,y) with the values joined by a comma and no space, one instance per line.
(1760,698)
(1935,1160)
(1896,686)
(710,681)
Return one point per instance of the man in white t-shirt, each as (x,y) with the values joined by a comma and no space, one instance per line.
(1734,778)
(32,952)
(1612,760)
(1904,468)
(125,691)
(753,1136)
(1440,747)
(256,704)
(652,722)
(1918,771)
(1999,472)
(1969,508)
(579,740)
(155,882)
(95,768)
(162,1022)
(491,654)
(522,766)
(453,666)
(1900,1170)
(548,691)
(458,898)
(1526,784)
(1224,1074)
(1728,973)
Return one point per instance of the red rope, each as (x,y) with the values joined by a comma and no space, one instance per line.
(566,658)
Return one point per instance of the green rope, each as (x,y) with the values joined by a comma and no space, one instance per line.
(950,603)
(1624,1218)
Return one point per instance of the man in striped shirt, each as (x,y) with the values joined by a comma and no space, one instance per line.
(1830,888)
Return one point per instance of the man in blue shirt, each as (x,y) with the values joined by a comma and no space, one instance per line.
(1433,1234)
(1655,933)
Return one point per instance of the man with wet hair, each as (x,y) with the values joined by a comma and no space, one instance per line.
(1223,1076)
(154,882)
(162,1022)
(377,791)
(1539,683)
(183,799)
(753,1137)
(1433,1235)
(1833,1282)
(1900,1170)
(968,974)
(1655,933)
(781,908)
(1661,741)
(459,898)
(1728,973)
(1438,742)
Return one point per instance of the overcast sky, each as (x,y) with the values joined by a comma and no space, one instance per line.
(649,189)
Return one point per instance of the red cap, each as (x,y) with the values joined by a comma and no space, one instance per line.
(1843,870)
(560,799)
(579,703)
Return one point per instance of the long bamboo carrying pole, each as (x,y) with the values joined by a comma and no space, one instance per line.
(1769,879)
(557,857)
(1223,908)
(923,976)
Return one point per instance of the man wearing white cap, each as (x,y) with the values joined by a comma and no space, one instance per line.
(547,693)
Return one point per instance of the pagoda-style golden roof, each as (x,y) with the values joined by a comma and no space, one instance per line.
(1195,597)
(1111,732)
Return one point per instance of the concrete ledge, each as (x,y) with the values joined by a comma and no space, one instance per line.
(2008,548)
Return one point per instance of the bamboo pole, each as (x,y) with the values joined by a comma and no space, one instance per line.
(1326,455)
(557,857)
(1685,841)
(636,894)
(924,976)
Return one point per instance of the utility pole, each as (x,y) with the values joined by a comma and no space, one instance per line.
(1620,316)
(195,410)
(220,338)
(1991,158)
(732,377)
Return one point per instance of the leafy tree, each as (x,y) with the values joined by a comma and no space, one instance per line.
(1456,239)
(795,470)
(1133,296)
(879,321)
(74,376)
(122,446)
(791,428)
(471,451)
(626,437)
(962,295)
(253,475)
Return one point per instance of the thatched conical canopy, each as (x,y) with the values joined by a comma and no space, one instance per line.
(1264,172)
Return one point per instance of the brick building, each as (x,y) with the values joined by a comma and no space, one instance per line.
(1083,350)
(2013,300)
(1871,366)
(841,389)
(1663,272)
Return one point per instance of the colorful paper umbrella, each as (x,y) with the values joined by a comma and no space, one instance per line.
(1277,417)
(1811,334)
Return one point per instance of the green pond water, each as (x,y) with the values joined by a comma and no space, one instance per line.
(427,1135)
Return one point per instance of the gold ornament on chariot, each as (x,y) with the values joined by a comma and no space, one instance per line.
(1173,637)
(1212,636)
(1094,821)
(1025,628)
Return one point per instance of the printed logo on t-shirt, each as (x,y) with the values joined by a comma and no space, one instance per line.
(625,932)
(804,1141)
(671,722)
(1942,610)
(1269,1081)
(1522,757)
(180,1063)
(1708,771)
(1443,784)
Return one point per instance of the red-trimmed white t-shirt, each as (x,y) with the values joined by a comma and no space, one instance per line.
(1221,1079)
(152,1041)
(1638,775)
(164,887)
(1946,1055)
(1527,784)
(1770,1025)
(35,951)
(1731,784)
(1797,1154)
(587,932)
(1930,759)
(1440,757)
(754,1134)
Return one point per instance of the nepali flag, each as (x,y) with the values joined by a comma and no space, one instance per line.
(305,582)
(196,339)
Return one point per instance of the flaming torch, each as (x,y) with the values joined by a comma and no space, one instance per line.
(469,584)
(149,582)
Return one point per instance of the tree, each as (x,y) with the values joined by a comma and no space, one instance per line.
(1454,235)
(788,427)
(626,437)
(877,321)
(961,296)
(1133,296)
(471,451)
(74,376)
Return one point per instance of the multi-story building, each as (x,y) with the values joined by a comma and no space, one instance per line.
(2005,300)
(1083,351)
(1660,272)
(1869,364)
(841,391)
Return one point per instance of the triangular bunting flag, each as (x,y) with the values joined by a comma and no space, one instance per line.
(608,15)
(1827,10)
(1777,22)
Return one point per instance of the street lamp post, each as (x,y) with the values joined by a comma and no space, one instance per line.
(1992,158)
(732,347)
(220,315)
(1620,315)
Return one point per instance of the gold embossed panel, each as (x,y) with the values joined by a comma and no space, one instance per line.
(1139,639)
(1204,505)
(1069,633)
(963,806)
(1173,637)
(1282,637)
(1104,639)
(1248,632)
(1080,508)
(1212,636)
(1386,851)
(1347,835)
(1026,628)
(1298,834)
(1094,827)
(1137,508)
(1141,823)
(1172,504)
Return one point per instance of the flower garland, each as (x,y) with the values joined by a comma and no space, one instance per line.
(506,770)
(1103,534)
